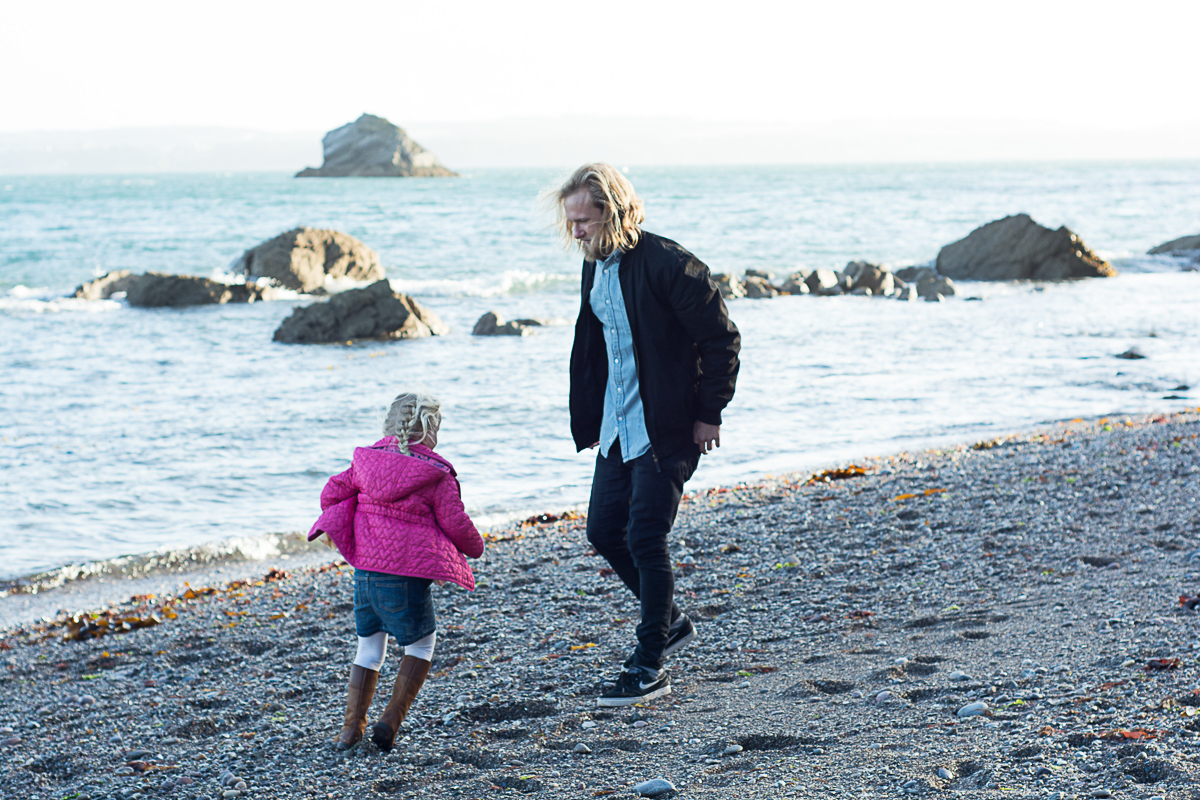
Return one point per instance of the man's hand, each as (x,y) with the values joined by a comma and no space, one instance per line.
(707,436)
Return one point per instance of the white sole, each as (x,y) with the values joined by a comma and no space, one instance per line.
(617,702)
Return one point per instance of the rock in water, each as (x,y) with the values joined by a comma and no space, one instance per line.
(372,147)
(492,324)
(157,290)
(1180,245)
(302,258)
(1017,248)
(375,312)
(106,285)
(759,287)
(729,286)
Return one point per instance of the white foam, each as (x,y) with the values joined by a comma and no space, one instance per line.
(508,282)
(41,300)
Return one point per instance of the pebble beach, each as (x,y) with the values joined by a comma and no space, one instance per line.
(1003,618)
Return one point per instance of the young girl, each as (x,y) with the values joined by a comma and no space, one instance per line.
(397,517)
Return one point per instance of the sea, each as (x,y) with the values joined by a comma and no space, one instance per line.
(126,430)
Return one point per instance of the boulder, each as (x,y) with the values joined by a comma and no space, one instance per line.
(300,259)
(729,285)
(939,285)
(758,287)
(492,324)
(760,273)
(157,290)
(871,276)
(160,290)
(106,285)
(795,283)
(824,282)
(372,147)
(1017,248)
(914,275)
(1181,245)
(375,312)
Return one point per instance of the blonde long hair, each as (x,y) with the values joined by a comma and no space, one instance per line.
(622,209)
(412,417)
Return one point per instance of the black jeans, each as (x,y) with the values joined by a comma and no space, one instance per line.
(632,509)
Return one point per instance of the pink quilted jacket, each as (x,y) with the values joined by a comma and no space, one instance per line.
(400,514)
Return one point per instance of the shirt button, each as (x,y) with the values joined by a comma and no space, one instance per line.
(619,389)
(614,330)
(620,418)
(606,302)
(616,361)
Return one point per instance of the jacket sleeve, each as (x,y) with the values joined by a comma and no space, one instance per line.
(340,487)
(339,502)
(701,311)
(452,518)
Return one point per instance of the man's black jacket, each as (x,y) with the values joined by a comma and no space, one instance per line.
(685,347)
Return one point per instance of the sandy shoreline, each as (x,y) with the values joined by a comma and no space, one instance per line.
(843,625)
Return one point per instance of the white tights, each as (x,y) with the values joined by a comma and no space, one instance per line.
(372,650)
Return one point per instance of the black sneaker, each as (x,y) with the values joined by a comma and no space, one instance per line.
(682,633)
(636,685)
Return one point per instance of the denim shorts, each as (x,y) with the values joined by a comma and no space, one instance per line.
(398,604)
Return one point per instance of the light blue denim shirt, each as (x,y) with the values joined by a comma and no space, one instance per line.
(623,414)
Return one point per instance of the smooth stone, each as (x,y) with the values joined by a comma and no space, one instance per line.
(655,787)
(641,723)
(114,739)
(884,696)
(588,725)
(86,700)
(231,793)
(581,748)
(975,709)
(137,755)
(958,676)
(1101,793)
(944,774)
(11,741)
(731,750)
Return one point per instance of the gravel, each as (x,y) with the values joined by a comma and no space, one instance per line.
(1039,575)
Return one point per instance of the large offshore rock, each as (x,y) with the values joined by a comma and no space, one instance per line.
(160,290)
(871,276)
(758,287)
(375,312)
(108,284)
(1017,248)
(824,282)
(372,147)
(301,258)
(1180,245)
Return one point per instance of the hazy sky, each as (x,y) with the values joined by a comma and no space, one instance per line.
(313,66)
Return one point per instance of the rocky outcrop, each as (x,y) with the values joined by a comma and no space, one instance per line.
(1181,246)
(160,290)
(372,147)
(1017,248)
(824,282)
(794,284)
(492,324)
(301,259)
(730,286)
(759,287)
(104,287)
(375,312)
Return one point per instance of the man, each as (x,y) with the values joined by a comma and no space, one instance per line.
(654,362)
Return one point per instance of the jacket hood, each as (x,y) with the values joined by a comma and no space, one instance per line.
(387,475)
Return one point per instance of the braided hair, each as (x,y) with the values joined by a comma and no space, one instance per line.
(412,417)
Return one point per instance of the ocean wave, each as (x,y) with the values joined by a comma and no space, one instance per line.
(42,300)
(513,281)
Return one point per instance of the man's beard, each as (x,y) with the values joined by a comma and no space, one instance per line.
(590,252)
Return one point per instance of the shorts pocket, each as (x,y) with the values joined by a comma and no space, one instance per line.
(391,597)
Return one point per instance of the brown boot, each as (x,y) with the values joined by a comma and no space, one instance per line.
(409,680)
(358,703)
